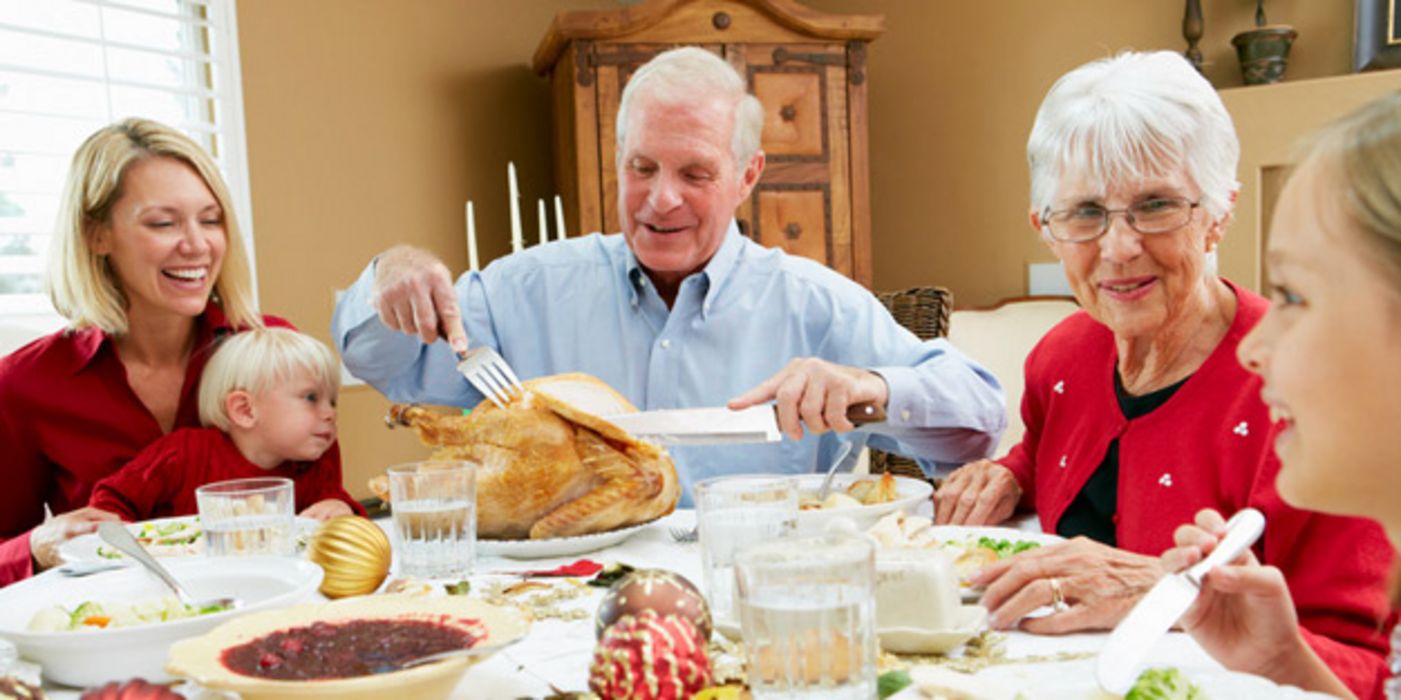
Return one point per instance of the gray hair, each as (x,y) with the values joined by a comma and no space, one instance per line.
(1133,116)
(680,76)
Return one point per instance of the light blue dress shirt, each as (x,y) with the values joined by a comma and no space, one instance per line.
(585,305)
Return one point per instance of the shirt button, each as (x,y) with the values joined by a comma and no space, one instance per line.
(666,344)
(905,415)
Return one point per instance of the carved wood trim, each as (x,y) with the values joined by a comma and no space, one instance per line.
(821,73)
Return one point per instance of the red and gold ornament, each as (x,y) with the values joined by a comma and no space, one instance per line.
(648,656)
(665,592)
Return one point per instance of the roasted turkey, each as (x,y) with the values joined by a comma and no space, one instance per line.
(548,465)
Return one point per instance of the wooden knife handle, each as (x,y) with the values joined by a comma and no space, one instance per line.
(865,412)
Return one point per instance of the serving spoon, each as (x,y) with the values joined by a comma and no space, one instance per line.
(116,534)
(439,656)
(841,459)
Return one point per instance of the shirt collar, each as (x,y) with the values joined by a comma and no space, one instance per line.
(88,342)
(715,272)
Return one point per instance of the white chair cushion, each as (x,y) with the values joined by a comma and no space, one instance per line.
(1000,338)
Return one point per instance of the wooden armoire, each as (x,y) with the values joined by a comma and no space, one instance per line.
(807,68)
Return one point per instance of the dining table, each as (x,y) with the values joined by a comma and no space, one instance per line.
(556,653)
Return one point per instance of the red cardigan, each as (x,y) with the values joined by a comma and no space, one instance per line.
(1209,446)
(161,481)
(68,418)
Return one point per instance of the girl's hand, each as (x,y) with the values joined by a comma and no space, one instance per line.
(45,539)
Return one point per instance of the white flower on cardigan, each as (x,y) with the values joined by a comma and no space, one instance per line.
(1059,388)
(1242,429)
(1165,480)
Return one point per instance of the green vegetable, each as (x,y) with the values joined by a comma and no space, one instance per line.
(460,588)
(891,682)
(1164,684)
(84,611)
(1006,548)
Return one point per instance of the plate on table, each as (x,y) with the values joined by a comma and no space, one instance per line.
(1075,680)
(907,495)
(163,537)
(968,548)
(557,546)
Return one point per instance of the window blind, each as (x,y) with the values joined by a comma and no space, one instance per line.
(69,67)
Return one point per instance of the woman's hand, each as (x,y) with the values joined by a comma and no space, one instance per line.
(1244,616)
(414,294)
(978,493)
(327,509)
(45,539)
(1097,585)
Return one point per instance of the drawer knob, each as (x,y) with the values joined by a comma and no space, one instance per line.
(721,20)
(792,231)
(789,112)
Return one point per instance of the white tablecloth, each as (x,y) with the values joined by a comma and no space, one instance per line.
(557,653)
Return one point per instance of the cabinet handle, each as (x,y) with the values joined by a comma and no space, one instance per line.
(792,231)
(788,113)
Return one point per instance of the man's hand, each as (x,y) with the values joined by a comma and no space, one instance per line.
(1098,585)
(815,394)
(414,294)
(326,509)
(45,539)
(978,493)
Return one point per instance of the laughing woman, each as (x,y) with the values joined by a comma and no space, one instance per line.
(149,269)
(1327,353)
(1137,413)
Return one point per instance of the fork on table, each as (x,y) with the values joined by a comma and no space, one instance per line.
(685,535)
(488,371)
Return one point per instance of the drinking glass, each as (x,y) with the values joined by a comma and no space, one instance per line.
(435,517)
(247,516)
(807,612)
(732,512)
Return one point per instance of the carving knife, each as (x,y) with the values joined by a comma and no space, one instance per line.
(721,426)
(1120,660)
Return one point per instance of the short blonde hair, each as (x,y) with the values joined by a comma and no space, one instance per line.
(255,360)
(81,283)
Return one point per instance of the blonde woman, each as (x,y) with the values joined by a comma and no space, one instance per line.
(149,269)
(1327,354)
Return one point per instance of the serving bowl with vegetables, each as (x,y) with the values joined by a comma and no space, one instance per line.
(119,624)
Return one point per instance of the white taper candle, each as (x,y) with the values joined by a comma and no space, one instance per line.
(514,196)
(540,216)
(471,238)
(559,218)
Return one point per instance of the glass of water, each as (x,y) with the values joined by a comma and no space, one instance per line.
(733,512)
(247,516)
(807,612)
(435,517)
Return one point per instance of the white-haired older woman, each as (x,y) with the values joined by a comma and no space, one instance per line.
(1327,354)
(146,240)
(1137,413)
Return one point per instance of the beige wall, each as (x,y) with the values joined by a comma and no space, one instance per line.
(371,121)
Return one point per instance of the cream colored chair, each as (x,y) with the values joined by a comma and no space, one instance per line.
(1000,338)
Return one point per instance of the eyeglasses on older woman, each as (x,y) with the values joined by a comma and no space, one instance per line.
(1086,222)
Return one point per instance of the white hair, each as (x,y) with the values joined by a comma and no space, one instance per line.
(1130,117)
(681,76)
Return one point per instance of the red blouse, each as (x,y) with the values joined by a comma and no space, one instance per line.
(1210,446)
(68,418)
(161,481)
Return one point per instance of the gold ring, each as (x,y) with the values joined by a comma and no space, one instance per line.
(1057,595)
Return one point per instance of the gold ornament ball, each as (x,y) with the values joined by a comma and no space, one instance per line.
(354,553)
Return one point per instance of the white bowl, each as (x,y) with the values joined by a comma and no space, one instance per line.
(910,494)
(93,657)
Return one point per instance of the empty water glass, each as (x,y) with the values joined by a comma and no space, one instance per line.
(732,512)
(247,516)
(435,517)
(807,613)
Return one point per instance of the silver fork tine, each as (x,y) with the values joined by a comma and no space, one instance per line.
(506,369)
(471,367)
